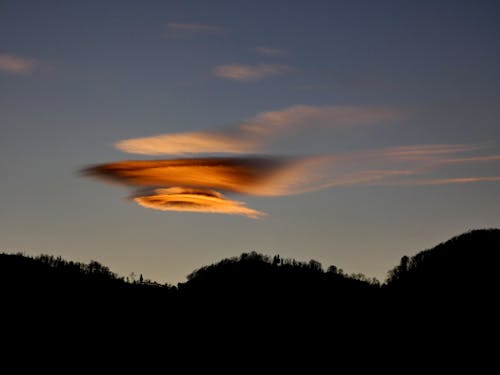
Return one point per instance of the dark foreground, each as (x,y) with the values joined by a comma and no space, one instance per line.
(447,292)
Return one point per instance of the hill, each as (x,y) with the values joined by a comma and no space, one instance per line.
(458,271)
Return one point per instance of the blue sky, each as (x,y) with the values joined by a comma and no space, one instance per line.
(78,77)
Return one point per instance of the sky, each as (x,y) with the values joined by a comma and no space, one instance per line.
(157,137)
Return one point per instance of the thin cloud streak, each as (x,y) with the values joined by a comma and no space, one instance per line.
(389,167)
(419,152)
(473,159)
(271,52)
(447,181)
(183,29)
(13,64)
(192,27)
(249,73)
(252,135)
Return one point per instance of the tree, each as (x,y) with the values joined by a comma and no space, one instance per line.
(332,269)
(276,260)
(315,265)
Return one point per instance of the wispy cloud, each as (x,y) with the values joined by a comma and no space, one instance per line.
(271,52)
(178,29)
(403,165)
(247,73)
(305,116)
(426,152)
(471,159)
(191,142)
(382,167)
(252,135)
(447,181)
(13,64)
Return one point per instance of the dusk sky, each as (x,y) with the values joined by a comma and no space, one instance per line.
(160,136)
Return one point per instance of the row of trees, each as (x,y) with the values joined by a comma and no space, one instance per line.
(446,264)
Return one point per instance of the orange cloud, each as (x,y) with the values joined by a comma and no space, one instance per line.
(237,175)
(189,184)
(191,142)
(193,200)
(16,65)
(195,184)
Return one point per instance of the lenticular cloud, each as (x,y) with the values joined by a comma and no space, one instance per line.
(193,200)
(255,176)
(204,184)
(196,184)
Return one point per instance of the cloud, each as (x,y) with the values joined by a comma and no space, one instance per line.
(13,64)
(383,167)
(271,52)
(447,181)
(247,73)
(183,143)
(393,166)
(472,159)
(196,184)
(236,175)
(305,116)
(201,184)
(192,184)
(252,135)
(177,29)
(193,200)
(425,152)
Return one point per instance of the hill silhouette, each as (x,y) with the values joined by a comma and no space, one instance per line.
(459,273)
(466,263)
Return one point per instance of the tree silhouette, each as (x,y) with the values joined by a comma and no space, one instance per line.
(456,278)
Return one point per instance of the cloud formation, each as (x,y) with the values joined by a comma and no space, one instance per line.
(252,135)
(192,184)
(196,184)
(236,175)
(13,64)
(193,200)
(202,184)
(248,73)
